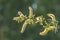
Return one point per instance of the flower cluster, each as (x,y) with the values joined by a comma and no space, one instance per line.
(51,25)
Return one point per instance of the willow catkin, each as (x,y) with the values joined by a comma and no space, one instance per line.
(24,25)
(46,30)
(30,11)
(51,15)
(17,19)
(40,19)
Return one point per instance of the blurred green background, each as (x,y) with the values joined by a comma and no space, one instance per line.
(10,30)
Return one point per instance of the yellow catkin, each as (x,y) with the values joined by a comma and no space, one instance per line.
(24,25)
(46,30)
(21,15)
(51,15)
(39,19)
(30,12)
(16,18)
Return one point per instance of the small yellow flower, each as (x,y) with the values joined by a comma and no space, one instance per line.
(39,19)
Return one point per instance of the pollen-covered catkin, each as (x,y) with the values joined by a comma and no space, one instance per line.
(25,25)
(51,15)
(30,12)
(46,30)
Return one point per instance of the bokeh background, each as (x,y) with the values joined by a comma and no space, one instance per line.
(10,30)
